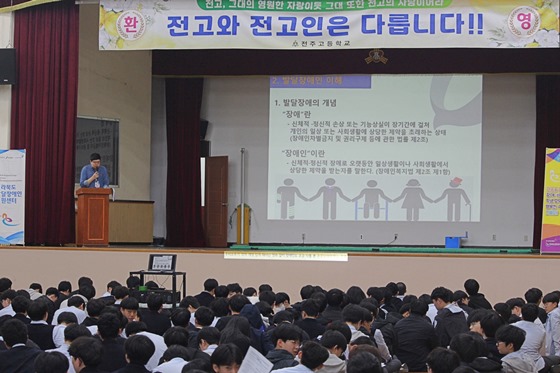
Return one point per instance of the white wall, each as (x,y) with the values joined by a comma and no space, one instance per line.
(237,110)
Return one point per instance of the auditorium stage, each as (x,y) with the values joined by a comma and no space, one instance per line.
(502,275)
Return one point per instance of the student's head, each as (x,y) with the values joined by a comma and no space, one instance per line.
(139,349)
(401,286)
(210,284)
(75,331)
(550,301)
(7,296)
(490,324)
(363,362)
(460,297)
(65,287)
(334,341)
(180,317)
(77,301)
(189,302)
(207,336)
(129,308)
(14,332)
(313,355)
(353,313)
(264,287)
(5,284)
(86,352)
(309,308)
(234,288)
(108,326)
(135,327)
(287,337)
(342,327)
(509,339)
(204,316)
(283,317)
(306,291)
(530,312)
(120,292)
(441,297)
(176,335)
(533,295)
(95,307)
(442,360)
(503,310)
(267,296)
(133,282)
(250,292)
(87,291)
(468,346)
(52,294)
(515,305)
(51,362)
(155,302)
(472,286)
(355,294)
(38,310)
(473,320)
(418,307)
(67,318)
(221,291)
(112,284)
(237,302)
(175,351)
(198,365)
(94,157)
(226,358)
(281,300)
(335,297)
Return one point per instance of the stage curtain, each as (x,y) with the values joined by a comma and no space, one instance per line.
(548,136)
(43,118)
(184,219)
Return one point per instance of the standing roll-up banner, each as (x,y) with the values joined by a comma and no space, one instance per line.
(12,197)
(550,236)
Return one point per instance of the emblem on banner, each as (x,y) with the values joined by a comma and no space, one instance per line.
(376,56)
(524,21)
(131,25)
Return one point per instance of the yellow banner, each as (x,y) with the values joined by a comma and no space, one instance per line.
(550,236)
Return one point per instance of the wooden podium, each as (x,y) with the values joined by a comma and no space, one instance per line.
(93,217)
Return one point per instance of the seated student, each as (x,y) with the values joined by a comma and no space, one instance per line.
(18,357)
(416,337)
(336,344)
(87,354)
(207,295)
(375,334)
(129,309)
(120,293)
(180,336)
(510,339)
(450,319)
(363,362)
(20,304)
(515,304)
(76,305)
(191,304)
(140,328)
(476,299)
(71,333)
(138,350)
(39,330)
(108,297)
(535,296)
(198,366)
(333,311)
(208,339)
(50,297)
(286,339)
(442,360)
(63,320)
(6,300)
(203,317)
(94,308)
(461,299)
(535,338)
(308,321)
(489,324)
(503,310)
(312,356)
(108,330)
(174,359)
(473,353)
(552,325)
(155,318)
(226,359)
(51,362)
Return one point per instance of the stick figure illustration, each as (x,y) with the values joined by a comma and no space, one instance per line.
(371,199)
(330,193)
(413,196)
(454,195)
(286,197)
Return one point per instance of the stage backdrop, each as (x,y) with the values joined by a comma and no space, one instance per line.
(322,24)
(550,236)
(12,197)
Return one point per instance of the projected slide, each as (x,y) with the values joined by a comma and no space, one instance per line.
(375,148)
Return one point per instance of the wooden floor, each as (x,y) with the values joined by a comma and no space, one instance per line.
(501,276)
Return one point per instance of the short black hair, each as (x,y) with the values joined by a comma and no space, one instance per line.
(155,301)
(342,327)
(204,316)
(334,338)
(353,313)
(267,296)
(51,362)
(221,291)
(20,304)
(210,334)
(490,324)
(14,331)
(139,349)
(442,360)
(37,310)
(180,317)
(174,351)
(87,349)
(363,362)
(515,302)
(310,307)
(250,291)
(237,302)
(210,284)
(472,286)
(335,297)
(5,284)
(285,332)
(94,157)
(402,287)
(120,292)
(75,331)
(67,318)
(264,287)
(442,293)
(468,346)
(95,307)
(64,286)
(76,301)
(135,327)
(52,291)
(511,334)
(227,354)
(313,355)
(533,295)
(530,312)
(130,303)
(418,307)
(176,335)
(551,298)
(108,325)
(504,310)
(189,300)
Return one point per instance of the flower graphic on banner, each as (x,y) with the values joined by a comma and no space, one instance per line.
(529,27)
(6,220)
(126,21)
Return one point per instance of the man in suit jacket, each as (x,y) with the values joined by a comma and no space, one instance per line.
(155,318)
(18,358)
